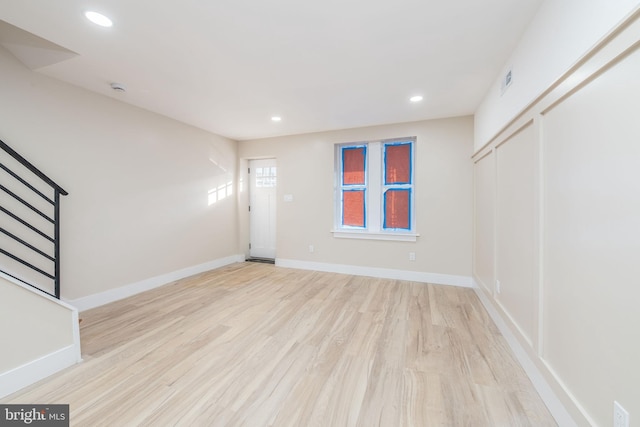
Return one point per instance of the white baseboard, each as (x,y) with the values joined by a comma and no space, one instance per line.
(102,298)
(29,373)
(549,397)
(384,273)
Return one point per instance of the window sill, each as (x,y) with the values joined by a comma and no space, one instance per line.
(365,235)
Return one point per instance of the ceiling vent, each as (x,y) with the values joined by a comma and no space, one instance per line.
(118,87)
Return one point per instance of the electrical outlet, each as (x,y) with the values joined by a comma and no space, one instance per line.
(311,248)
(498,286)
(620,416)
(412,256)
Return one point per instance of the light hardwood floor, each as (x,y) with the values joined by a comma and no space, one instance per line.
(257,345)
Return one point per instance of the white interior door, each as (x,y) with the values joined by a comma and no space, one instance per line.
(262,208)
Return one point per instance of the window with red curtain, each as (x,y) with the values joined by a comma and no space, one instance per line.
(354,183)
(375,189)
(398,185)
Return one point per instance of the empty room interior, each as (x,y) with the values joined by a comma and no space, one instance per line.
(357,213)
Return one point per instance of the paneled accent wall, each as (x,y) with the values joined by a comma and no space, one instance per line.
(484,205)
(516,237)
(557,230)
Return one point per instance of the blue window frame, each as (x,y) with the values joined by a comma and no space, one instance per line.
(374,190)
(353,182)
(397,187)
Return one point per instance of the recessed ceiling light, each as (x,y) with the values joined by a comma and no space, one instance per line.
(98,19)
(276,118)
(416,98)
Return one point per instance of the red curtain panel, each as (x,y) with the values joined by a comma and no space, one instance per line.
(353,166)
(398,164)
(396,207)
(353,208)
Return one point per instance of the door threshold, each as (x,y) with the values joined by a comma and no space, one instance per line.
(261,260)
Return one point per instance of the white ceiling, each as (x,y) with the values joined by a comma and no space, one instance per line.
(227,66)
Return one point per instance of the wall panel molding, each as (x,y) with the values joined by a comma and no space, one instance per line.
(585,387)
(622,33)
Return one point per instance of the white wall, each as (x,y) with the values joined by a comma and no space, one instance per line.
(443,198)
(592,240)
(39,336)
(560,34)
(24,336)
(139,183)
(557,207)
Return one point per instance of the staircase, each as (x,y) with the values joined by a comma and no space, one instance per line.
(41,332)
(29,223)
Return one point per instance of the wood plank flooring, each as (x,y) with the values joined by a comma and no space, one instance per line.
(258,345)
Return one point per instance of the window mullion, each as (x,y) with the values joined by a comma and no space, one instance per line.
(375,187)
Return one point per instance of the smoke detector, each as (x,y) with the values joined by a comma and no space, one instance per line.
(118,87)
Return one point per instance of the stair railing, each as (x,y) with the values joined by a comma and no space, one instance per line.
(30,218)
